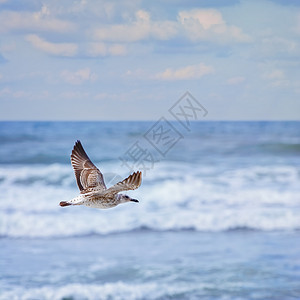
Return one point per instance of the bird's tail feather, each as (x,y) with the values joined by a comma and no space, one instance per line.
(75,201)
(64,203)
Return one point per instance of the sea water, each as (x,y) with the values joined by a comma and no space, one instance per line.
(218,217)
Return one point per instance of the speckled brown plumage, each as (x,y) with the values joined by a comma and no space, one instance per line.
(93,191)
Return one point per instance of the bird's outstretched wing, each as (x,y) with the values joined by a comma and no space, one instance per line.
(132,182)
(86,173)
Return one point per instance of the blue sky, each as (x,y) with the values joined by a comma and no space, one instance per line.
(132,60)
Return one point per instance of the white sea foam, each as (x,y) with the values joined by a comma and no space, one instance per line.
(116,290)
(261,198)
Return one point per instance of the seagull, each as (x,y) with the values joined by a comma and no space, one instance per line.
(93,191)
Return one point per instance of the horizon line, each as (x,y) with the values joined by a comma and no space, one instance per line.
(154,120)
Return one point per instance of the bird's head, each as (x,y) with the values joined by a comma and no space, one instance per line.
(125,198)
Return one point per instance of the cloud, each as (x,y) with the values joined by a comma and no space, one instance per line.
(7,47)
(6,93)
(274,74)
(194,25)
(287,2)
(235,80)
(41,21)
(185,73)
(137,73)
(74,95)
(277,78)
(208,24)
(141,28)
(102,49)
(78,77)
(204,17)
(117,49)
(60,49)
(275,45)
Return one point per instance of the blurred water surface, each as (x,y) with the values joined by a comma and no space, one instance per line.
(218,216)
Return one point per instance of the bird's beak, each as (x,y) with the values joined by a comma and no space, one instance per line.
(134,200)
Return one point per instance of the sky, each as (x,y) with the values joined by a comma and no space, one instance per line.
(133,59)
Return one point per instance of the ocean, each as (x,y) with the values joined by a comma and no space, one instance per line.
(218,214)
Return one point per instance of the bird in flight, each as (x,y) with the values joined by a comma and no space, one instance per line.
(93,191)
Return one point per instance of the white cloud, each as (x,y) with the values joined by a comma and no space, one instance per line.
(5,91)
(140,29)
(137,73)
(277,78)
(279,46)
(8,93)
(208,24)
(135,31)
(204,17)
(8,47)
(274,74)
(235,80)
(79,76)
(112,96)
(102,49)
(188,72)
(74,95)
(61,49)
(284,83)
(34,21)
(117,49)
(297,26)
(195,25)
(97,49)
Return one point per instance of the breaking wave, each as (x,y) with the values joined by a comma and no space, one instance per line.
(116,290)
(174,197)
